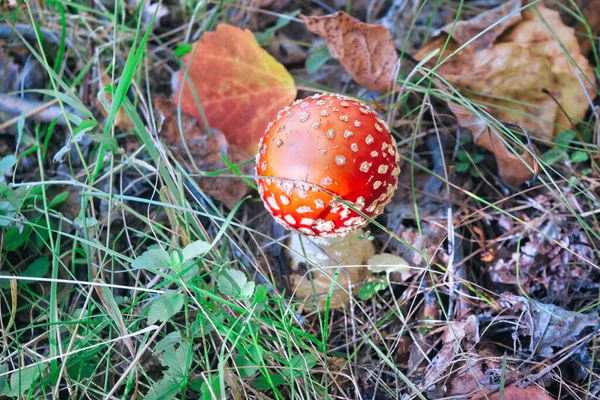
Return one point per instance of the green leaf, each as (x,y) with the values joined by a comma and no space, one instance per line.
(10,195)
(579,156)
(83,128)
(195,249)
(553,155)
(79,132)
(58,199)
(183,49)
(368,290)
(477,158)
(462,156)
(264,38)
(22,380)
(317,59)
(3,369)
(106,140)
(248,290)
(37,269)
(164,389)
(7,163)
(474,173)
(167,342)
(214,392)
(177,362)
(301,362)
(260,294)
(564,139)
(152,258)
(232,283)
(246,367)
(262,383)
(462,167)
(168,304)
(16,238)
(7,213)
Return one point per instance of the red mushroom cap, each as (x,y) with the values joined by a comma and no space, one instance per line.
(321,146)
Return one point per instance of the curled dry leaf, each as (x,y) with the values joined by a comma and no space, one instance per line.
(239,85)
(548,325)
(366,51)
(205,149)
(121,120)
(452,337)
(348,252)
(507,67)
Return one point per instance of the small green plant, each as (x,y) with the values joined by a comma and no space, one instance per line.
(370,289)
(264,38)
(466,163)
(567,148)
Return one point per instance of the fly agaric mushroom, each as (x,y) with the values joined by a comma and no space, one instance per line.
(319,148)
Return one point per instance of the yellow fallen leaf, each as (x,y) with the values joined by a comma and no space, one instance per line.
(506,69)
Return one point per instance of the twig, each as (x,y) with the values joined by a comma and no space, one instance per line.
(40,111)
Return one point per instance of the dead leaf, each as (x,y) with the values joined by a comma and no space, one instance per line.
(549,325)
(557,327)
(512,170)
(548,259)
(506,69)
(452,337)
(515,393)
(590,11)
(350,252)
(121,120)
(366,51)
(205,149)
(239,85)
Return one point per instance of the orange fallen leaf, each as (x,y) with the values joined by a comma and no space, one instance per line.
(205,149)
(515,393)
(507,68)
(239,85)
(366,51)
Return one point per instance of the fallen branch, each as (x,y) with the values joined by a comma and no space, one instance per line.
(39,111)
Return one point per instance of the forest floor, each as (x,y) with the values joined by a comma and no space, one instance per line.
(138,261)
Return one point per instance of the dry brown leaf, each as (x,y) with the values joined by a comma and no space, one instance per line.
(121,118)
(453,335)
(507,67)
(515,393)
(366,51)
(205,150)
(590,10)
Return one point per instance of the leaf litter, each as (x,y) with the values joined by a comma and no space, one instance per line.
(544,263)
(505,68)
